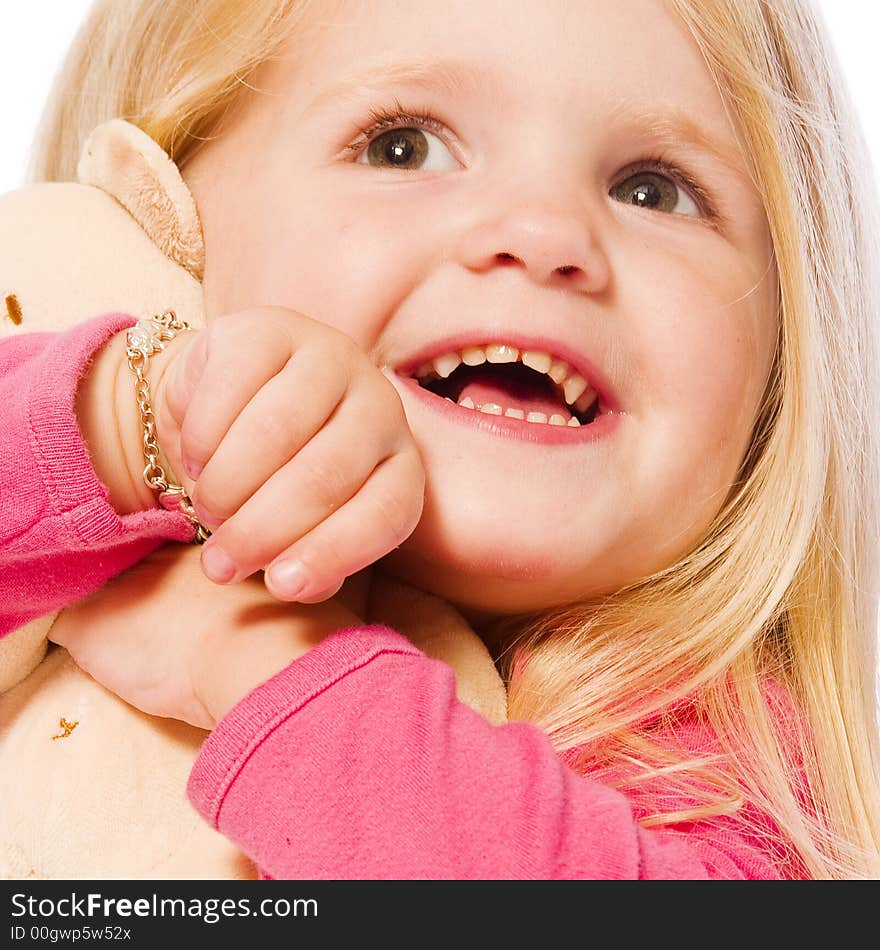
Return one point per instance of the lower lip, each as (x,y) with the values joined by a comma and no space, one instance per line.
(540,433)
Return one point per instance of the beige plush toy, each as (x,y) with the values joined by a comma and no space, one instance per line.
(100,787)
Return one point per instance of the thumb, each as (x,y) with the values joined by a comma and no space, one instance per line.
(181,376)
(182,365)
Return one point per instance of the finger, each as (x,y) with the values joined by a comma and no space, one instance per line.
(330,468)
(271,429)
(382,515)
(321,596)
(239,362)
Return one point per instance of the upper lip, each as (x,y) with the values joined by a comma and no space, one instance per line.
(585,365)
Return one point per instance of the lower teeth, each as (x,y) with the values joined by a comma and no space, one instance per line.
(493,409)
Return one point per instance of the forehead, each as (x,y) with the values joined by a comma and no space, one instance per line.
(595,57)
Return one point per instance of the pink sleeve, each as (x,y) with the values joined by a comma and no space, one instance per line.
(60,538)
(357,761)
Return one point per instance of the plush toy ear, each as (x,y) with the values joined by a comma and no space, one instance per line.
(127,238)
(126,163)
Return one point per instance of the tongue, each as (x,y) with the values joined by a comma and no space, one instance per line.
(511,389)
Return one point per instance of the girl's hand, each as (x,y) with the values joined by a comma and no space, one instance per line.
(166,640)
(298,446)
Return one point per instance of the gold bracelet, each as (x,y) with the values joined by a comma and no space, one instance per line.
(144,340)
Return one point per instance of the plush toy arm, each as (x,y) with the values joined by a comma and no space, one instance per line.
(124,239)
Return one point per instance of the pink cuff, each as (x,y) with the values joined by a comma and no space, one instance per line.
(72,486)
(248,723)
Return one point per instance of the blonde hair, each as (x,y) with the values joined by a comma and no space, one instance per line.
(172,68)
(783,589)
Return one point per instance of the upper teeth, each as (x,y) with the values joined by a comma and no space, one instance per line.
(573,387)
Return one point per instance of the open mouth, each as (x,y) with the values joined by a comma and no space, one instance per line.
(500,380)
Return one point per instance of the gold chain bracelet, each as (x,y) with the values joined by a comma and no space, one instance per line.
(144,340)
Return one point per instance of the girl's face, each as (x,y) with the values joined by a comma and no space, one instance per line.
(527,209)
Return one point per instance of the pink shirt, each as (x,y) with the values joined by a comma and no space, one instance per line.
(357,760)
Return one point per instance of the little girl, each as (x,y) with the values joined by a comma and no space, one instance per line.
(660,512)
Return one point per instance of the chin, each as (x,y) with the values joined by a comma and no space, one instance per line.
(496,581)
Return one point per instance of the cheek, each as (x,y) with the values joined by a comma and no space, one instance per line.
(703,348)
(339,259)
(702,364)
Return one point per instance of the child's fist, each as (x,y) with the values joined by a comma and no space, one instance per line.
(169,643)
(299,447)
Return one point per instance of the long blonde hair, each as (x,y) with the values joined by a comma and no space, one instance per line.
(784,586)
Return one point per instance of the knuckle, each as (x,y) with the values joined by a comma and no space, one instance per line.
(289,326)
(270,429)
(325,482)
(236,333)
(283,317)
(228,372)
(397,512)
(221,331)
(335,348)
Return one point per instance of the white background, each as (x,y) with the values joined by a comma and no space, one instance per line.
(35,33)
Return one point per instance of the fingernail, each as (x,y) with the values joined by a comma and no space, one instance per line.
(193,469)
(217,565)
(288,579)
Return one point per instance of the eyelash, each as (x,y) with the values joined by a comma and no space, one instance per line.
(383,120)
(658,163)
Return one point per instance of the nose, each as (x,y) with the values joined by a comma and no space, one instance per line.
(552,245)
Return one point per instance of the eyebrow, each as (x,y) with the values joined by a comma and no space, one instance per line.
(457,77)
(674,128)
(452,76)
